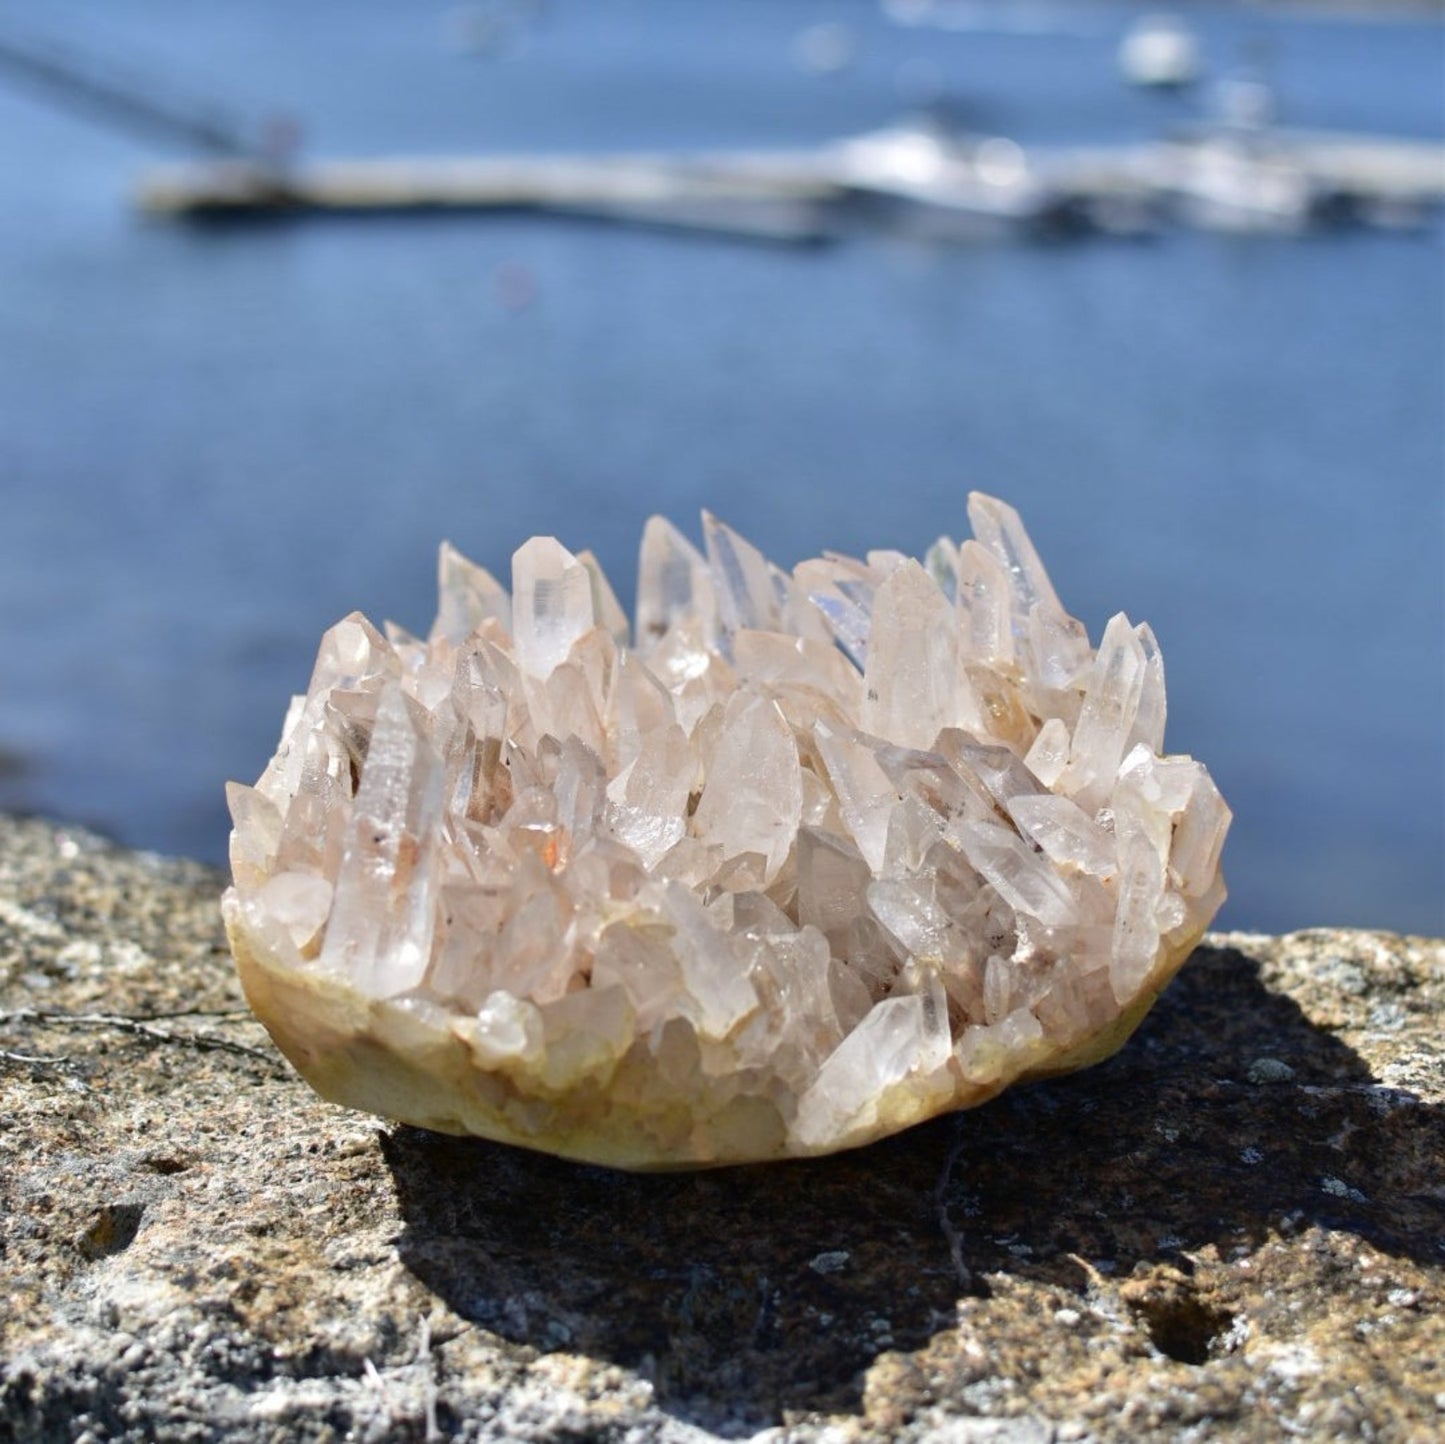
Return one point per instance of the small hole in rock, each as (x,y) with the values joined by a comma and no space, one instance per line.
(113,1228)
(1183,1326)
(165,1165)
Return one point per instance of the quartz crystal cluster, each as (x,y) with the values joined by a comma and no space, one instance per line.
(796,862)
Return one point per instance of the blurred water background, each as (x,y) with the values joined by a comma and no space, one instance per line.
(215,442)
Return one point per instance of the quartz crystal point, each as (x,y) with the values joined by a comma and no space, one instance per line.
(815,857)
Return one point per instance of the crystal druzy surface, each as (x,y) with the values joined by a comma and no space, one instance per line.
(806,859)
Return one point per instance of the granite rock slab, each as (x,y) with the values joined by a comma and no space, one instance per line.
(1234,1229)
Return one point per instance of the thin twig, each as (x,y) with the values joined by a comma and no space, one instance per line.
(149,1016)
(429,1388)
(140,1026)
(951,1233)
(34,1060)
(240,1011)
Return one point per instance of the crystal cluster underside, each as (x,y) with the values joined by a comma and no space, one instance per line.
(802,860)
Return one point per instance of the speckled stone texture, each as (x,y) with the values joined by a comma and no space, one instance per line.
(1234,1229)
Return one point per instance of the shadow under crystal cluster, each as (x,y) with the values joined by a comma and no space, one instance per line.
(806,860)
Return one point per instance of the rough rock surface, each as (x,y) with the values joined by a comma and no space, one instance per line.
(1234,1229)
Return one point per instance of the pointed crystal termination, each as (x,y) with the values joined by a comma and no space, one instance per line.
(1111,708)
(912,681)
(672,583)
(998,527)
(383,919)
(467,596)
(742,579)
(552,604)
(753,801)
(822,856)
(606,608)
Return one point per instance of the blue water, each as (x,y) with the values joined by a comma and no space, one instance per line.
(214,443)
